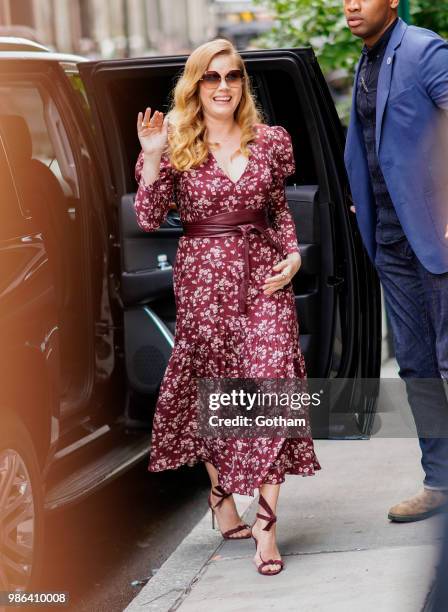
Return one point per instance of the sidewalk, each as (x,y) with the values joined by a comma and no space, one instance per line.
(341,553)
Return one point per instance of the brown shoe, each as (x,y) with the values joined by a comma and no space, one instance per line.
(423,505)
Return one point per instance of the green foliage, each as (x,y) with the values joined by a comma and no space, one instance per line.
(321,24)
(431,14)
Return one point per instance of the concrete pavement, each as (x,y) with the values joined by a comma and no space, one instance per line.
(341,553)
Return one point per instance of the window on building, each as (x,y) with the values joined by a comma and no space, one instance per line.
(22,12)
(85,17)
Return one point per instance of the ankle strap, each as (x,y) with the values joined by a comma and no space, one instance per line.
(271,518)
(220,493)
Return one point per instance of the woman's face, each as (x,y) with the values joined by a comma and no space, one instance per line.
(221,102)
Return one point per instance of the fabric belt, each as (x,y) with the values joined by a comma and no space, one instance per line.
(241,223)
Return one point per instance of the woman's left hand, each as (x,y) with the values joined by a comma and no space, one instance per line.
(286,268)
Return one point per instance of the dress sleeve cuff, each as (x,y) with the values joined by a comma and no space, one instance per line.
(146,187)
(292,249)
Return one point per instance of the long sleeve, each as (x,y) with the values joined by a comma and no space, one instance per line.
(152,202)
(433,66)
(283,165)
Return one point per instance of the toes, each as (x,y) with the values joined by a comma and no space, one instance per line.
(269,569)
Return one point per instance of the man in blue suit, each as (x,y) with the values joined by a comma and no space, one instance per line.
(397,163)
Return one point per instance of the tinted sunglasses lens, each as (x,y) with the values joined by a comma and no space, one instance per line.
(211,79)
(234,77)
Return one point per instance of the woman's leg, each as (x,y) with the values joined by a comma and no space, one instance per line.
(226,514)
(267,543)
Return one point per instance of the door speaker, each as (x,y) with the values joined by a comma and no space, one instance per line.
(148,347)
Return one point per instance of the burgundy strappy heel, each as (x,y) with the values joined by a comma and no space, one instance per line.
(226,535)
(271,519)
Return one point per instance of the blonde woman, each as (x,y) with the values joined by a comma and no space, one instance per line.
(236,314)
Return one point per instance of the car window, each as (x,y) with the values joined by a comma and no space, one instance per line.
(80,91)
(33,130)
(40,145)
(11,218)
(288,112)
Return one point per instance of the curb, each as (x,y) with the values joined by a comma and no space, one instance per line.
(166,590)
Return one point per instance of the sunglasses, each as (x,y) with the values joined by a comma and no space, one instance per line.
(212,79)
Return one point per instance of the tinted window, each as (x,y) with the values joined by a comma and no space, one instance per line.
(11,219)
(287,111)
(43,168)
(33,132)
(78,87)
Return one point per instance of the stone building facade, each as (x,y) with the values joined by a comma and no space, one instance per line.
(111,28)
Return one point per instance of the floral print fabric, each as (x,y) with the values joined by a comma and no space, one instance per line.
(212,339)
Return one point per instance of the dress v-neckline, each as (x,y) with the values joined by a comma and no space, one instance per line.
(225,173)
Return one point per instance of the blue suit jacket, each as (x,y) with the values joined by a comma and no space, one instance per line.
(411,142)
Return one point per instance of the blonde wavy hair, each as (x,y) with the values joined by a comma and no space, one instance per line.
(187,131)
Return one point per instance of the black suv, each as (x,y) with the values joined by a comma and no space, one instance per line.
(87,317)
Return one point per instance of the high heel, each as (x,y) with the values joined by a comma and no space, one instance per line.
(271,519)
(226,535)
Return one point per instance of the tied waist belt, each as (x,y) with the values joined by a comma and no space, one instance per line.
(236,223)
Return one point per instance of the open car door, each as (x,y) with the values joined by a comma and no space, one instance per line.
(337,291)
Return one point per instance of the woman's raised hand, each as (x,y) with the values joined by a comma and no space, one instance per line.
(152,131)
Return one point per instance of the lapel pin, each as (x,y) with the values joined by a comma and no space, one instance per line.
(389,60)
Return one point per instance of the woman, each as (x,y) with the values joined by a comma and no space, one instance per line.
(236,314)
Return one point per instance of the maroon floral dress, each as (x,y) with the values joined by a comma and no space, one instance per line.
(212,339)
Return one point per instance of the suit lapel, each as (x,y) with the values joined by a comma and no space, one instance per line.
(385,77)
